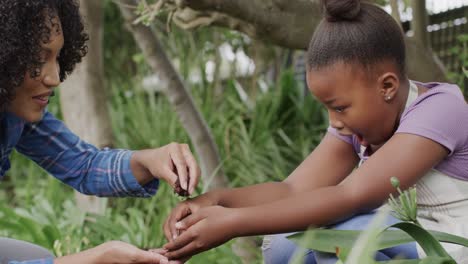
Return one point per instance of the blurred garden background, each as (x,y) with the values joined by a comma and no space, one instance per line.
(225,76)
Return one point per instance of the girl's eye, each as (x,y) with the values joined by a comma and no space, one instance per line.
(339,109)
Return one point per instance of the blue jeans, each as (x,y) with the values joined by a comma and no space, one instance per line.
(277,249)
(16,250)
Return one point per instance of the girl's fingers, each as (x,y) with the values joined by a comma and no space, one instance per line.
(180,242)
(167,229)
(184,252)
(178,213)
(189,221)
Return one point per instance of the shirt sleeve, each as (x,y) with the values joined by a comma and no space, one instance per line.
(347,139)
(441,117)
(34,261)
(81,165)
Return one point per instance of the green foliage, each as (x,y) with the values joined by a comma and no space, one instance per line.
(460,50)
(425,239)
(261,142)
(405,207)
(257,144)
(352,246)
(327,240)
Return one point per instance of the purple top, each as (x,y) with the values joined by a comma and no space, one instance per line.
(440,114)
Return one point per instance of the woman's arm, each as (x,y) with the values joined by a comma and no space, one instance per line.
(106,172)
(114,252)
(87,169)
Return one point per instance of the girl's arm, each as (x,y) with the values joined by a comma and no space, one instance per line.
(405,156)
(330,162)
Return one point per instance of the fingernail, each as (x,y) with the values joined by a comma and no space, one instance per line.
(174,236)
(164,261)
(179,225)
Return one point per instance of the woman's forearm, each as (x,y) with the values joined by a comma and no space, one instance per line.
(90,256)
(251,195)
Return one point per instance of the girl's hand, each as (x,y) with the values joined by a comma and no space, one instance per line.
(184,209)
(163,251)
(173,163)
(116,252)
(205,229)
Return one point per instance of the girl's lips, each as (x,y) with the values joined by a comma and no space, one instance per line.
(362,141)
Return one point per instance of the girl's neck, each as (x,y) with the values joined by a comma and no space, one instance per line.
(401,99)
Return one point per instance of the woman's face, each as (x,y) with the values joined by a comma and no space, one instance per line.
(355,103)
(32,97)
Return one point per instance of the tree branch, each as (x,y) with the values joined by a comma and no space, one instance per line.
(179,97)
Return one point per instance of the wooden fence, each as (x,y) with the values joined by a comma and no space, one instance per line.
(444,30)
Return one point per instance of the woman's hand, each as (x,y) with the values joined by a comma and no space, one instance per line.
(116,252)
(173,163)
(184,209)
(209,227)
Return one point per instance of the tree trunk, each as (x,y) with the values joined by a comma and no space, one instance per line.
(83,97)
(179,97)
(395,11)
(419,23)
(419,48)
(287,23)
(189,115)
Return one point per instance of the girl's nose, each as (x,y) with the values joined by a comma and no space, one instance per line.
(334,122)
(338,125)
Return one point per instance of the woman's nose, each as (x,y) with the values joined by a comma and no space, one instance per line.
(51,74)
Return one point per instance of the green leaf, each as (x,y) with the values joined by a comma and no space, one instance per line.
(430,245)
(427,260)
(327,240)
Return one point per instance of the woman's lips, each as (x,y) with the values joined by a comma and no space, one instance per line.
(41,100)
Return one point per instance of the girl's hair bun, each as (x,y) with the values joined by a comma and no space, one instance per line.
(338,10)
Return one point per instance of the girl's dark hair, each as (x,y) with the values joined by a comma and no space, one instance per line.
(356,32)
(24,27)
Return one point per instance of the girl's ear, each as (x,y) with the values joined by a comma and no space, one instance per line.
(389,83)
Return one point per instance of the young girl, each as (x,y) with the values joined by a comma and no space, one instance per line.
(380,121)
(42,40)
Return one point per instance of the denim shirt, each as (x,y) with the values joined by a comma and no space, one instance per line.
(56,149)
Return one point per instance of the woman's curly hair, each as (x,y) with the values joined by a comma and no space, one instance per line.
(24,27)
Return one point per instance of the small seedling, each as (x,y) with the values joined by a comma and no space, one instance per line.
(404,207)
